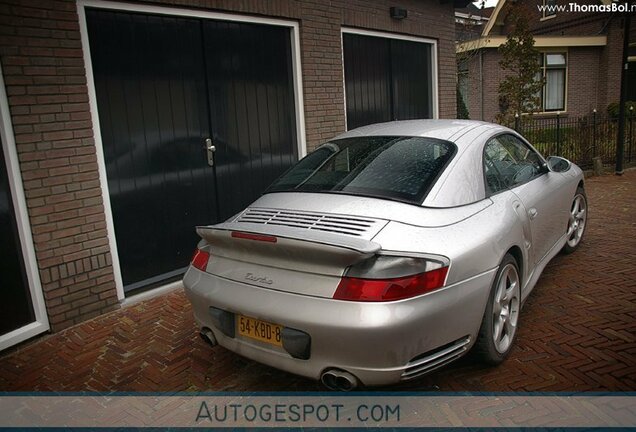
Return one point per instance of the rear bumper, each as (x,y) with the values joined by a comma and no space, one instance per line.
(380,343)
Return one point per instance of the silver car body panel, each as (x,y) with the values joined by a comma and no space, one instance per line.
(368,207)
(292,282)
(287,264)
(447,130)
(363,227)
(373,341)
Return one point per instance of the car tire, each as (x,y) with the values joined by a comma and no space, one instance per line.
(576,222)
(501,318)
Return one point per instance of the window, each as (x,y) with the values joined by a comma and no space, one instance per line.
(553,70)
(396,168)
(509,162)
(549,8)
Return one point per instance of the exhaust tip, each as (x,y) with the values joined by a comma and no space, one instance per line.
(208,336)
(329,380)
(339,380)
(344,384)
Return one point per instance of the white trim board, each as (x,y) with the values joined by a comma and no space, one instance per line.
(388,35)
(539,42)
(41,323)
(174,11)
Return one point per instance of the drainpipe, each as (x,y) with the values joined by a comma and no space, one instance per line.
(481,83)
(620,144)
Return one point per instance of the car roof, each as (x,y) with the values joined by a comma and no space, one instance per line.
(449,130)
(462,181)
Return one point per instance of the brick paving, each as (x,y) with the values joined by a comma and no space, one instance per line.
(578,332)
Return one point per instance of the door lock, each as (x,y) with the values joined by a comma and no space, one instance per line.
(209,146)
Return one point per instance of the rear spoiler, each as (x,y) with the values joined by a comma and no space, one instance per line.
(221,231)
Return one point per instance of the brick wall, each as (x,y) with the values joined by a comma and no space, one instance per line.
(611,64)
(475,80)
(41,57)
(584,86)
(489,78)
(46,85)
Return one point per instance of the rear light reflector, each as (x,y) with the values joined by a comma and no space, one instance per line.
(379,290)
(257,237)
(200,259)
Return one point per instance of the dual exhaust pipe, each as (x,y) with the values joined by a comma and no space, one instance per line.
(333,379)
(336,379)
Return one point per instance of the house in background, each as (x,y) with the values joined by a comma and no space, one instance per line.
(580,56)
(469,25)
(470,21)
(111,112)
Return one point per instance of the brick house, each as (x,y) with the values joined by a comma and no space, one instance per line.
(580,57)
(470,21)
(109,111)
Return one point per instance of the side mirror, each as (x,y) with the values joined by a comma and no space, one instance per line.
(558,164)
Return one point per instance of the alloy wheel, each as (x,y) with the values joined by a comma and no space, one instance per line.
(506,308)
(576,223)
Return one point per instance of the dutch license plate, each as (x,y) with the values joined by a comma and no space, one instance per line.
(260,330)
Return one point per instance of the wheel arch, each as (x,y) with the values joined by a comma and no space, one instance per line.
(517,254)
(581,184)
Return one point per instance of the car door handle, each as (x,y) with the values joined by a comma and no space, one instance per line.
(532,213)
(209,146)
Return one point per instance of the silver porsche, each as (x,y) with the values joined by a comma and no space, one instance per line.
(388,252)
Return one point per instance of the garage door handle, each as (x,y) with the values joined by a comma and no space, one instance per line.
(210,150)
(532,213)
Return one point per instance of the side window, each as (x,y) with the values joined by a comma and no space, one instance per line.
(508,162)
(494,166)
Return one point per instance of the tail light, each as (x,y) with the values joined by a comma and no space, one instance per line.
(200,259)
(391,278)
(251,236)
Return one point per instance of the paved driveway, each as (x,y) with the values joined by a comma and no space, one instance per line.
(578,332)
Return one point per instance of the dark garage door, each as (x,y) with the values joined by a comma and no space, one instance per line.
(386,79)
(164,84)
(16,309)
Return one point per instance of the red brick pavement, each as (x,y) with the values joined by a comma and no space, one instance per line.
(578,332)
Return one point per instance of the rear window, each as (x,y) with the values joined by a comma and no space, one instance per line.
(396,168)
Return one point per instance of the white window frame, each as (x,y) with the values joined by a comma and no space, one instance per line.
(544,69)
(174,11)
(387,35)
(544,16)
(16,188)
